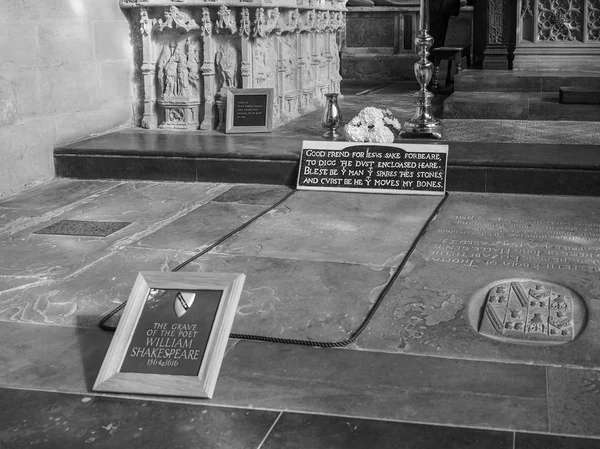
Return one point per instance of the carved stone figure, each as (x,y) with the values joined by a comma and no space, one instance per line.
(227,65)
(177,73)
(193,65)
(183,81)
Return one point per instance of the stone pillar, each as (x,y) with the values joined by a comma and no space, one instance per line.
(149,120)
(208,72)
(246,47)
(496,53)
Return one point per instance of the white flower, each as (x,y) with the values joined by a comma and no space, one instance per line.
(380,134)
(371,114)
(355,133)
(372,125)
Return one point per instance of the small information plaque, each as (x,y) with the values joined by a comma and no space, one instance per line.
(372,167)
(249,110)
(172,336)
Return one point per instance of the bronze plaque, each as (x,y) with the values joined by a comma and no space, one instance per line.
(531,311)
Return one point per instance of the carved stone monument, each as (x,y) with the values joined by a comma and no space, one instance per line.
(194,50)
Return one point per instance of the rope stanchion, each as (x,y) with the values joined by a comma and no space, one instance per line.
(322,344)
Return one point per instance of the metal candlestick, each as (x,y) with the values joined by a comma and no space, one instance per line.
(332,117)
(423,124)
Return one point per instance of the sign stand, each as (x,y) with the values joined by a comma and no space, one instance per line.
(172,336)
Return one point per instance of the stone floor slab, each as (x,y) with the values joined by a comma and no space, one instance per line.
(337,227)
(573,397)
(265,195)
(55,194)
(294,431)
(299,299)
(481,239)
(149,206)
(200,227)
(53,420)
(384,386)
(537,441)
(84,296)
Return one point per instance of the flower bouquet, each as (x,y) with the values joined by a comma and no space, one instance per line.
(373,125)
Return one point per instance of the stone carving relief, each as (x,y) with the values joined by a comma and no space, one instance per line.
(145,23)
(193,52)
(593,20)
(496,22)
(289,62)
(560,20)
(265,55)
(176,20)
(228,64)
(245,24)
(225,20)
(307,78)
(177,70)
(526,10)
(207,25)
(525,310)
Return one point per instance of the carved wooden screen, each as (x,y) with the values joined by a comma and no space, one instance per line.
(568,22)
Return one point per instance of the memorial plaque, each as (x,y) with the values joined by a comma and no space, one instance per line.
(374,168)
(530,311)
(249,110)
(172,336)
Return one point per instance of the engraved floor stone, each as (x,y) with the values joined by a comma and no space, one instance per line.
(528,311)
(84,228)
(484,241)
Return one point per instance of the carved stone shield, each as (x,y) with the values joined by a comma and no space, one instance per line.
(530,311)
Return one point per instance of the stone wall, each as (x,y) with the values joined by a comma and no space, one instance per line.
(65,74)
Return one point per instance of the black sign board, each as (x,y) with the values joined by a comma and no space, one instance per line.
(165,343)
(172,336)
(249,110)
(371,167)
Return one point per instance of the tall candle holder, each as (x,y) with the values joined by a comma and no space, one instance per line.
(423,124)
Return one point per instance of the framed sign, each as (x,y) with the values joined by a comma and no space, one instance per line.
(397,168)
(172,336)
(249,111)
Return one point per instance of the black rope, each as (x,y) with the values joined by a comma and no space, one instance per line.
(117,309)
(321,344)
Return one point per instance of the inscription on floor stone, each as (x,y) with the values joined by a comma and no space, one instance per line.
(530,244)
(530,311)
(83,228)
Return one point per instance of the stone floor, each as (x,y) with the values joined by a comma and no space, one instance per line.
(420,374)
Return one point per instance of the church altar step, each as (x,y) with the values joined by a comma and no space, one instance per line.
(273,159)
(576,95)
(516,106)
(471,80)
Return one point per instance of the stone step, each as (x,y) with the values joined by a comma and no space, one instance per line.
(265,159)
(516,106)
(576,95)
(471,80)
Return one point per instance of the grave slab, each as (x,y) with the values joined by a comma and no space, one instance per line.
(478,243)
(374,230)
